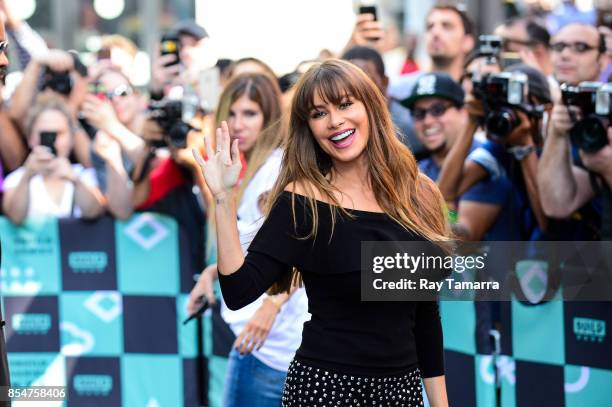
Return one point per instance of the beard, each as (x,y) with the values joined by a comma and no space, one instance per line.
(441,62)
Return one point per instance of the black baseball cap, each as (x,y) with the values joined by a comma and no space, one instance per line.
(189,27)
(437,84)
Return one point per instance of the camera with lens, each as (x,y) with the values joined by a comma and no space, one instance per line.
(489,46)
(501,94)
(62,82)
(174,117)
(594,100)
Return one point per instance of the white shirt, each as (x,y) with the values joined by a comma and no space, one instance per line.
(286,333)
(40,203)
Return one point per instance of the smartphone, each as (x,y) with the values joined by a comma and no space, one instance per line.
(368,10)
(170,44)
(209,89)
(47,139)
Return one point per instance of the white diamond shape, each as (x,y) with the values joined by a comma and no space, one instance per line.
(147,243)
(106,315)
(152,403)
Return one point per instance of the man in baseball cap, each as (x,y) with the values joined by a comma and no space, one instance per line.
(437,109)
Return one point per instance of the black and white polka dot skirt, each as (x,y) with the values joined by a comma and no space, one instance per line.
(310,386)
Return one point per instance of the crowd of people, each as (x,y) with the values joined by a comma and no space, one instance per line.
(506,137)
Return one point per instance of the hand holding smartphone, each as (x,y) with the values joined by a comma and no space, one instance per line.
(170,45)
(47,139)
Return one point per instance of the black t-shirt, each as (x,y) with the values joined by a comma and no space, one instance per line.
(344,333)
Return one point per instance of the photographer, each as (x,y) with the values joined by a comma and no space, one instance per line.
(568,183)
(514,132)
(440,116)
(113,108)
(563,172)
(47,184)
(167,179)
(177,61)
(59,73)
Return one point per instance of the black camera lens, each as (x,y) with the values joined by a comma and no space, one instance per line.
(589,134)
(501,122)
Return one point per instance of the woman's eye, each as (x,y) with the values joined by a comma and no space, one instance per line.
(317,114)
(249,113)
(345,105)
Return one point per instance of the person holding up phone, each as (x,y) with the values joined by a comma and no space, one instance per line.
(176,56)
(47,184)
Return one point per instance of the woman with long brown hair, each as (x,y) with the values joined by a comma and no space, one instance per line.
(345,178)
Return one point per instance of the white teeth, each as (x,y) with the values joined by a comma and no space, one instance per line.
(342,135)
(432,130)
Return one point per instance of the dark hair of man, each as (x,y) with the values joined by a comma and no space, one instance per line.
(367,54)
(468,26)
(537,33)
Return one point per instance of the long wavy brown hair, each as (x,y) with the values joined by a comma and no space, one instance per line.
(404,193)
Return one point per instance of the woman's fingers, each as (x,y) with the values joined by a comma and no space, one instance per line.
(236,153)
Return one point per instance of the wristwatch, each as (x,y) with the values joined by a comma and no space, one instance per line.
(520,152)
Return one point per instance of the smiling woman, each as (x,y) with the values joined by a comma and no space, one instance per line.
(345,178)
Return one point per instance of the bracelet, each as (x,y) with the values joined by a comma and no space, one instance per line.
(520,152)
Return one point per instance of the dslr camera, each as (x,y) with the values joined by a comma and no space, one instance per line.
(174,117)
(62,82)
(594,100)
(501,94)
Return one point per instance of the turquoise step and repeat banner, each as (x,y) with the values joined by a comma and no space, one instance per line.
(98,307)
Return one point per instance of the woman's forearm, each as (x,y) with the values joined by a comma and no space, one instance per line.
(17,200)
(89,199)
(229,252)
(119,190)
(435,387)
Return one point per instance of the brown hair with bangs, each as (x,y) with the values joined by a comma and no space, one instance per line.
(262,90)
(402,191)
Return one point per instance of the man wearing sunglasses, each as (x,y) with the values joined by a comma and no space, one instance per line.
(437,110)
(578,54)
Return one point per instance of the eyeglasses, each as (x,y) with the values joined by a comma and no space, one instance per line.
(436,110)
(3,46)
(120,91)
(578,47)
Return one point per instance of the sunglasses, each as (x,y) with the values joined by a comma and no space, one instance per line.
(578,47)
(120,91)
(436,110)
(3,46)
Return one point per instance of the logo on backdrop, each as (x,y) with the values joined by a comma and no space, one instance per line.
(88,262)
(92,385)
(31,324)
(589,330)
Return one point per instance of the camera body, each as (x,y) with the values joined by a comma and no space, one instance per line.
(489,46)
(594,99)
(501,93)
(174,117)
(62,82)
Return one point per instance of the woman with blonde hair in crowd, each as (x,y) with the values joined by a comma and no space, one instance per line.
(269,328)
(345,178)
(47,184)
